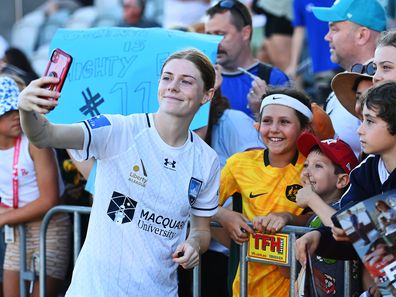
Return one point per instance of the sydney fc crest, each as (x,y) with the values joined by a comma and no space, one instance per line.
(193,190)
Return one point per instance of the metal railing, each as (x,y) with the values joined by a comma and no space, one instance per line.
(244,259)
(292,231)
(24,275)
(292,262)
(77,211)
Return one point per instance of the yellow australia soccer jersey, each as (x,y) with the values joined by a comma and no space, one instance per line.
(264,189)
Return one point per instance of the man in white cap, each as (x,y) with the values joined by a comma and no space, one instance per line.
(354,28)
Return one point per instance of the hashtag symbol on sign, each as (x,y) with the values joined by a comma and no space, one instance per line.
(92,103)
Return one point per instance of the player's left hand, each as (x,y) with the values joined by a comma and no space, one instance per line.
(186,255)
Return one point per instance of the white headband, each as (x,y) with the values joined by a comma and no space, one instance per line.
(288,101)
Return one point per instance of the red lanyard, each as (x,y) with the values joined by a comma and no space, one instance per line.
(15,182)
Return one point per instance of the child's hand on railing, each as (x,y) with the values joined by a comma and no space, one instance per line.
(271,223)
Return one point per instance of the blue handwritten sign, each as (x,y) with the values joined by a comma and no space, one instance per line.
(116,70)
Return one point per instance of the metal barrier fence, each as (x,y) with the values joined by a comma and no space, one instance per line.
(78,210)
(292,231)
(24,275)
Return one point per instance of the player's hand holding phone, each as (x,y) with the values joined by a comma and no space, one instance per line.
(41,95)
(58,66)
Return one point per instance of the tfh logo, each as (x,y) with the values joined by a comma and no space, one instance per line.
(274,244)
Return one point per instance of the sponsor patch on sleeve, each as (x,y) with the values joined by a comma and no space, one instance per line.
(98,121)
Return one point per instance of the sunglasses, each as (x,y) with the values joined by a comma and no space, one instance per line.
(369,69)
(230,5)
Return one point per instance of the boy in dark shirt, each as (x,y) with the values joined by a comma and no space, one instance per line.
(375,175)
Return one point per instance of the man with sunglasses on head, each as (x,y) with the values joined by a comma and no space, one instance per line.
(354,28)
(232,20)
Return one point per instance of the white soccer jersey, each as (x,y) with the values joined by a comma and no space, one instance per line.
(145,191)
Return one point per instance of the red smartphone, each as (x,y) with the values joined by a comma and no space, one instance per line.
(58,66)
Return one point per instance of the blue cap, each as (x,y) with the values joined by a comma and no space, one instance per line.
(9,93)
(367,13)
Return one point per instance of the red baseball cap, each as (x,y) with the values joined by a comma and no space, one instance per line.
(336,150)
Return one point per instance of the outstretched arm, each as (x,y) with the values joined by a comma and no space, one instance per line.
(36,100)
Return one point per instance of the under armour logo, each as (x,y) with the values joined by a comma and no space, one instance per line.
(170,164)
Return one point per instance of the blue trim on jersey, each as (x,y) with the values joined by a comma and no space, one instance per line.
(89,139)
(98,122)
(148,120)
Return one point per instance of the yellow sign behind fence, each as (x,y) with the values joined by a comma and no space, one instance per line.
(269,247)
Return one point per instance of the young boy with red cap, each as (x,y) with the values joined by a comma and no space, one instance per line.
(325,175)
(325,178)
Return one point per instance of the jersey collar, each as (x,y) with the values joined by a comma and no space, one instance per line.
(267,161)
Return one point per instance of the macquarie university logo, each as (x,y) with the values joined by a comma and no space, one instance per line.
(291,192)
(121,208)
(138,175)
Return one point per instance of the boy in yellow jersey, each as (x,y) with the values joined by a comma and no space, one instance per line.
(267,181)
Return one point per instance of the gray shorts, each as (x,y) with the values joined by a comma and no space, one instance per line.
(57,247)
